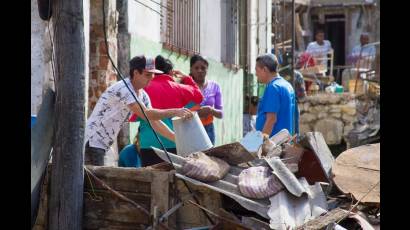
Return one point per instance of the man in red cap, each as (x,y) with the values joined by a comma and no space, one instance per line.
(115,106)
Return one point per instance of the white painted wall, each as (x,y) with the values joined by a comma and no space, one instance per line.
(252,34)
(210,25)
(143,21)
(37,58)
(259,29)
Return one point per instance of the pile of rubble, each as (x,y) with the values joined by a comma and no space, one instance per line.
(313,190)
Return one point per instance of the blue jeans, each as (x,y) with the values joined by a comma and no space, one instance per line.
(210,130)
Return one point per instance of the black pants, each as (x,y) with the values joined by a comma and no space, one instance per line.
(93,156)
(149,157)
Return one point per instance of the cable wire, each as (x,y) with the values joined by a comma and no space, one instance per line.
(142,110)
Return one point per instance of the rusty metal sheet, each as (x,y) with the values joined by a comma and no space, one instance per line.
(357,170)
(233,153)
(316,164)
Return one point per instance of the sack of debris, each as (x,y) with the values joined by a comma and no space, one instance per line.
(258,182)
(204,168)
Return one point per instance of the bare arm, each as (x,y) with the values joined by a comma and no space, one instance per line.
(269,123)
(216,113)
(164,130)
(158,114)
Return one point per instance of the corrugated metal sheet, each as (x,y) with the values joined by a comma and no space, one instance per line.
(284,209)
(288,211)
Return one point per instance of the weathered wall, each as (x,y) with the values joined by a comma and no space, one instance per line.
(331,114)
(362,19)
(101,73)
(144,22)
(210,26)
(229,128)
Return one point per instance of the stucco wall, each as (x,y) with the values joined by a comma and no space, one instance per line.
(210,26)
(144,22)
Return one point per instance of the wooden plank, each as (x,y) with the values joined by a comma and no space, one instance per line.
(149,187)
(127,179)
(322,221)
(159,193)
(120,185)
(132,174)
(357,170)
(94,224)
(105,207)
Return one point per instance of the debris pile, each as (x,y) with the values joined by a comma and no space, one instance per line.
(290,185)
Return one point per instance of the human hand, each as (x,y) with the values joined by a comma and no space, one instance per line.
(178,73)
(184,113)
(205,111)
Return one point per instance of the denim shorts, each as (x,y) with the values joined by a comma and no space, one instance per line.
(210,130)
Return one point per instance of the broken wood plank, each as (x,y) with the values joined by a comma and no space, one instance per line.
(102,205)
(323,221)
(159,193)
(356,170)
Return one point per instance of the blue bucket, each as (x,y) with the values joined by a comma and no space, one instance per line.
(33,120)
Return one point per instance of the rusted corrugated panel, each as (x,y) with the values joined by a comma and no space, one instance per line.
(316,164)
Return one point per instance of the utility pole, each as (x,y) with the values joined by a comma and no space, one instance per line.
(67,176)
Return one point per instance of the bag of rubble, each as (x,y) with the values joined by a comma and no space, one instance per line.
(258,182)
(204,168)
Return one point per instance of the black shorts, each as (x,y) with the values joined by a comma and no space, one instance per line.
(149,157)
(93,156)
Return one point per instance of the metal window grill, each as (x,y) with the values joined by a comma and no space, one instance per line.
(181,28)
(230,52)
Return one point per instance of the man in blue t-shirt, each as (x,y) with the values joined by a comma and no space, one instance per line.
(276,109)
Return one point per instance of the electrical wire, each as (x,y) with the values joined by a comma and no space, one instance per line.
(162,5)
(142,110)
(149,8)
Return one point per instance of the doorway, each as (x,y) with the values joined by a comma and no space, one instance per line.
(334,28)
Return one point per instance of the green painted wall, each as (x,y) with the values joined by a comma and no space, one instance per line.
(229,128)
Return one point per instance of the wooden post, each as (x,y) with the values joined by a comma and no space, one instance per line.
(67,176)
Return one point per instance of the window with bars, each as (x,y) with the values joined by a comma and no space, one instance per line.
(230,33)
(181,26)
